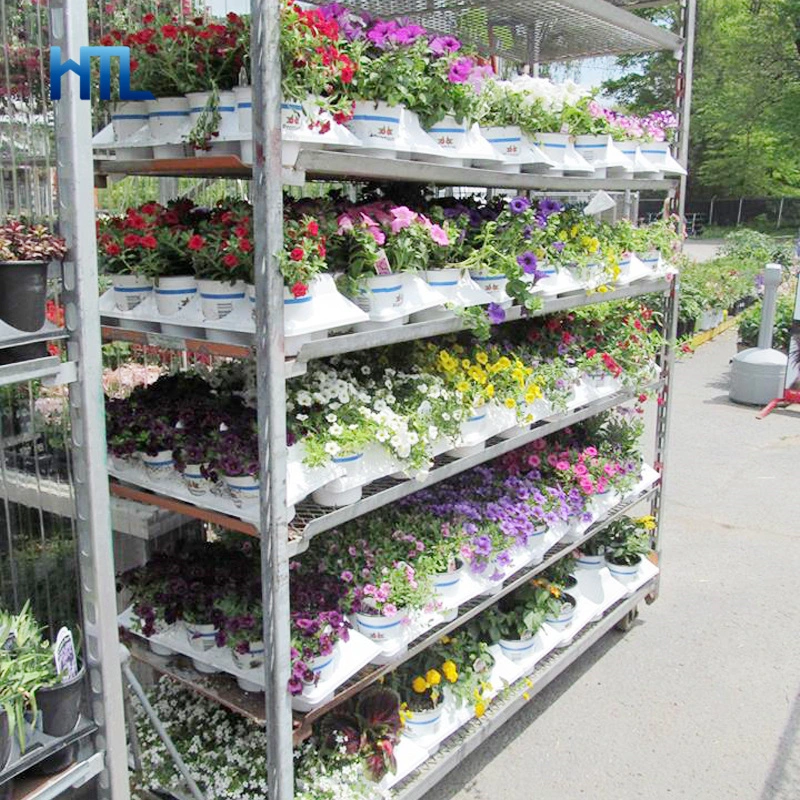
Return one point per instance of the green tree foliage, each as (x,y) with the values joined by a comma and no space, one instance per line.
(745,139)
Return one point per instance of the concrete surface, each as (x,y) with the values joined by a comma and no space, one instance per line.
(700,698)
(702,249)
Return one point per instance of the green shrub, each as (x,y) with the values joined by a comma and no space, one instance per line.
(750,323)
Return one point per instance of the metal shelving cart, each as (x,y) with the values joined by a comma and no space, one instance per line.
(532,31)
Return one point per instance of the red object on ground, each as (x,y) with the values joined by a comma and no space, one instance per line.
(790,397)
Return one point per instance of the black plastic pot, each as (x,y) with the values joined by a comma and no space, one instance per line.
(23,299)
(61,705)
(5,739)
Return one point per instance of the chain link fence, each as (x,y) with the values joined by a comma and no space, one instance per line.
(764,213)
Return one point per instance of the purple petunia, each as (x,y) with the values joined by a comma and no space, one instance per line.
(440,45)
(519,204)
(482,545)
(496,313)
(548,206)
(528,262)
(460,70)
(558,246)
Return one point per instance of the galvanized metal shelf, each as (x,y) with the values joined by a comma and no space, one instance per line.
(47,368)
(326,165)
(356,342)
(540,31)
(51,786)
(10,337)
(468,611)
(456,748)
(312,519)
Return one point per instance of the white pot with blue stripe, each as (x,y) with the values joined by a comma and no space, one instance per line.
(383,296)
(623,572)
(202,636)
(604,155)
(591,561)
(130,290)
(450,135)
(195,481)
(423,723)
(173,292)
(564,617)
(346,490)
(243,487)
(494,285)
(168,120)
(252,659)
(651,260)
(158,464)
(380,628)
(293,117)
(296,310)
(446,584)
(219,298)
(323,666)
(127,120)
(519,649)
(377,124)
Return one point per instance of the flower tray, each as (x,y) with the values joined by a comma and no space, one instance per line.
(353,656)
(646,572)
(330,310)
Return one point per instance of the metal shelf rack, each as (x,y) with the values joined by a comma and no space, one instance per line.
(526,30)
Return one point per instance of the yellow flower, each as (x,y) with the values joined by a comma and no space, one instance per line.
(445,639)
(603,289)
(466,363)
(532,393)
(478,375)
(450,671)
(573,232)
(462,386)
(433,677)
(526,696)
(503,363)
(510,402)
(480,709)
(489,390)
(555,591)
(482,358)
(648,522)
(419,685)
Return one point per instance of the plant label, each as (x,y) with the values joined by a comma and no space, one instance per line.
(66,660)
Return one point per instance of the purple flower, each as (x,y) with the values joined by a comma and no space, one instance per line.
(558,246)
(519,204)
(528,262)
(379,35)
(548,206)
(460,70)
(496,313)
(407,35)
(483,545)
(440,45)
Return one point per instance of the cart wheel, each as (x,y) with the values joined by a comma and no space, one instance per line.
(626,623)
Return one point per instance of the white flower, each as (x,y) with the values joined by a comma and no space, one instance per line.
(423,388)
(302,417)
(332,448)
(365,370)
(331,418)
(304,399)
(336,429)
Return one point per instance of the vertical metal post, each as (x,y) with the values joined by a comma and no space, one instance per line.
(739,212)
(665,402)
(711,211)
(268,219)
(780,214)
(687,66)
(69,29)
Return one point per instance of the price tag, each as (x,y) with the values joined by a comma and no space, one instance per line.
(66,660)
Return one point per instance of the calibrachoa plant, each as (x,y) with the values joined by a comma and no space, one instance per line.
(303,254)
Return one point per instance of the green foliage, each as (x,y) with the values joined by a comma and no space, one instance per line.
(744,139)
(750,323)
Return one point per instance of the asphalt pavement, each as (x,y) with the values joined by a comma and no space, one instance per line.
(700,698)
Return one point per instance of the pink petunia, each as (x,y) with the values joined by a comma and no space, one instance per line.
(534,461)
(403,217)
(439,235)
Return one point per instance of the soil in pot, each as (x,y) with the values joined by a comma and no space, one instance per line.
(61,705)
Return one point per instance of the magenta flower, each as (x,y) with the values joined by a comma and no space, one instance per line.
(562,465)
(389,610)
(440,45)
(403,217)
(439,235)
(460,70)
(534,461)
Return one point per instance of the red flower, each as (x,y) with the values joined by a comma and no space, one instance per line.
(299,289)
(642,397)
(230,260)
(591,353)
(321,251)
(245,245)
(149,242)
(196,242)
(297,254)
(113,249)
(107,41)
(347,74)
(148,18)
(312,228)
(169,31)
(131,240)
(150,209)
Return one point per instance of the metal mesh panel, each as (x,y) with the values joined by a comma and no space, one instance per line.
(533,30)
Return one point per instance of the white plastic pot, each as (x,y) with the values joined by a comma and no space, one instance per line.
(423,723)
(130,290)
(324,666)
(293,118)
(449,134)
(623,572)
(127,119)
(518,649)
(564,617)
(379,628)
(244,108)
(219,299)
(243,487)
(202,636)
(195,482)
(168,118)
(174,292)
(591,562)
(446,584)
(295,309)
(160,464)
(376,124)
(382,296)
(495,285)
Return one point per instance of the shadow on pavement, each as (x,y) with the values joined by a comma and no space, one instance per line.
(783,781)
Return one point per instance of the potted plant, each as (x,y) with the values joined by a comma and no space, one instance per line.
(628,541)
(301,261)
(26,251)
(420,684)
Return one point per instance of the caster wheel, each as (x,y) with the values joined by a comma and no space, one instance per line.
(626,623)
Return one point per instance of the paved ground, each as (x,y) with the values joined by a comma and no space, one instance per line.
(702,249)
(700,699)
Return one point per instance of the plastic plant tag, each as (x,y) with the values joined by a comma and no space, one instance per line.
(601,202)
(382,266)
(66,660)
(10,641)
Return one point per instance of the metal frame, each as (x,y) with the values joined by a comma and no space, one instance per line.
(69,29)
(69,24)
